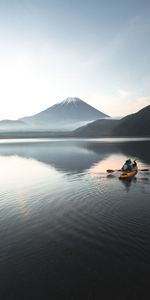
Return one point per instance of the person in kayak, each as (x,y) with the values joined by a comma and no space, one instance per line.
(128,165)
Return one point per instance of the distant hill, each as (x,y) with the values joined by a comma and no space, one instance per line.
(98,128)
(66,115)
(137,124)
(12,125)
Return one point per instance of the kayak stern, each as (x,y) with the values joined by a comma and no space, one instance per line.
(129,174)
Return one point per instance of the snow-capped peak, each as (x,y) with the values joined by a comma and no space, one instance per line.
(69,100)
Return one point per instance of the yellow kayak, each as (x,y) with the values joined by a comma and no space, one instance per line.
(128,174)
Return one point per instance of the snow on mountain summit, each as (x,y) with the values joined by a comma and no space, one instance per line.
(70,100)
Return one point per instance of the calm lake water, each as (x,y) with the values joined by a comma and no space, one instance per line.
(67,229)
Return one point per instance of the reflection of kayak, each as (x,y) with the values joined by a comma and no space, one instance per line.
(129,174)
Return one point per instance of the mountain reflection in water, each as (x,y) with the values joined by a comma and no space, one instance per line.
(77,156)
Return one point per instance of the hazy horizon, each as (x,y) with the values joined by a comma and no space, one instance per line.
(30,115)
(93,50)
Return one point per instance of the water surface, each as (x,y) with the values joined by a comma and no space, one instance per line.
(68,229)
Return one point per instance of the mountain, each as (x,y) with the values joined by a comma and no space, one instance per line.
(66,115)
(97,128)
(137,124)
(65,118)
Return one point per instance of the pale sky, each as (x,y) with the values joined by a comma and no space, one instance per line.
(95,50)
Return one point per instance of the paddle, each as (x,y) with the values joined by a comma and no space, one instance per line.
(111,171)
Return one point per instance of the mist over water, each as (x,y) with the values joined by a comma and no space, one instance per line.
(68,229)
